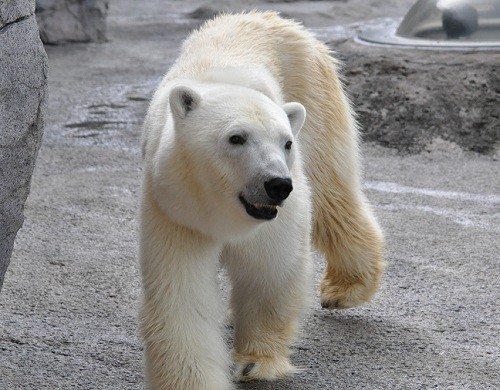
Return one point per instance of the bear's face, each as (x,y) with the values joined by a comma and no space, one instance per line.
(238,148)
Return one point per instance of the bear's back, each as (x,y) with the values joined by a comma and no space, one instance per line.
(247,39)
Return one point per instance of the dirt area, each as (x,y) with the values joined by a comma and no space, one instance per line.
(408,98)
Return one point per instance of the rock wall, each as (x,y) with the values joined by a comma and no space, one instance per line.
(72,20)
(23,91)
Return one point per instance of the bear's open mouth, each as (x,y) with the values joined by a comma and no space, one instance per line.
(259,211)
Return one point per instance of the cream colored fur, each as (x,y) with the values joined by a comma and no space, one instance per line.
(191,218)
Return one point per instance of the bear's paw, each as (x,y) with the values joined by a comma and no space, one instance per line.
(250,368)
(346,291)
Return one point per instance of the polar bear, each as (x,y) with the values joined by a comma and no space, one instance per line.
(234,173)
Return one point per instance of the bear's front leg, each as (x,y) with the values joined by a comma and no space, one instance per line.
(180,312)
(271,287)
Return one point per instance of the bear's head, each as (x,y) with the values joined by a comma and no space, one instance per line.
(226,158)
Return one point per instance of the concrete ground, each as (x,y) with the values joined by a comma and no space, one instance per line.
(68,306)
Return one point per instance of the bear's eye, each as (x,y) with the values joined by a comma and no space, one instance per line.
(237,140)
(288,145)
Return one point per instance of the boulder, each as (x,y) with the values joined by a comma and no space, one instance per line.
(72,20)
(23,92)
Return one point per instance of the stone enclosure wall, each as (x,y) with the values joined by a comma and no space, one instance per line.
(72,20)
(23,93)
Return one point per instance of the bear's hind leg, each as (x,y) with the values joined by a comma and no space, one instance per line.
(350,238)
(345,230)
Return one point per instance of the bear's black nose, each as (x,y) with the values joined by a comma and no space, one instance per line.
(278,188)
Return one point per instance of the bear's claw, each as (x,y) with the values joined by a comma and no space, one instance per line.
(327,305)
(334,304)
(248,369)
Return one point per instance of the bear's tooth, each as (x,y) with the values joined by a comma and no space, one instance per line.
(264,206)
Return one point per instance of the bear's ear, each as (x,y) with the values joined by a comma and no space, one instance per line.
(296,114)
(182,100)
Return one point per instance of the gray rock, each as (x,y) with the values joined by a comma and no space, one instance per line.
(11,11)
(72,20)
(23,91)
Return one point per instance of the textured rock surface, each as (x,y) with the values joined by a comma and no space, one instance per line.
(72,20)
(23,73)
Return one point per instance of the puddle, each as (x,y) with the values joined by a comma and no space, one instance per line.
(108,105)
(86,135)
(95,125)
(138,98)
(110,117)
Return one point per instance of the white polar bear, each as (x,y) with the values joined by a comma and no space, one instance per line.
(226,179)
